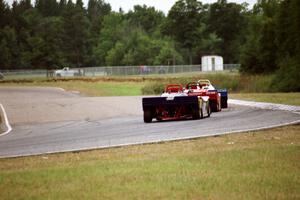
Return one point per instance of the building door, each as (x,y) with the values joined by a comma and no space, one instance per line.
(213,63)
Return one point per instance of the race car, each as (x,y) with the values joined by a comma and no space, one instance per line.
(218,97)
(204,89)
(175,103)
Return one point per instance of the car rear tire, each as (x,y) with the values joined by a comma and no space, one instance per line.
(198,114)
(147,116)
(208,110)
(214,106)
(224,103)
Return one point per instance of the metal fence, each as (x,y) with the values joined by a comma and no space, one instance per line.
(116,71)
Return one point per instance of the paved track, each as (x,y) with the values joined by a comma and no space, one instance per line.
(47,120)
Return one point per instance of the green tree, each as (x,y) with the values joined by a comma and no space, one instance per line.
(208,44)
(51,32)
(250,51)
(18,9)
(146,18)
(97,8)
(227,20)
(267,43)
(116,54)
(20,25)
(288,43)
(62,6)
(9,48)
(4,14)
(183,23)
(75,36)
(32,45)
(167,54)
(47,7)
(96,11)
(113,29)
(288,29)
(259,53)
(134,48)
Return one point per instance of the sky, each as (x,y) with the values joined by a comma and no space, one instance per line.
(163,5)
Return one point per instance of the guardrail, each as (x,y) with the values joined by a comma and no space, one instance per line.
(116,71)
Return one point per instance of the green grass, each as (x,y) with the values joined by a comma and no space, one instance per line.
(234,82)
(254,165)
(282,98)
(153,85)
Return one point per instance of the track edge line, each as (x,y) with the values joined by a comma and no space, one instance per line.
(5,121)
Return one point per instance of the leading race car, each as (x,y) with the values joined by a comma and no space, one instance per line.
(175,103)
(205,89)
(218,97)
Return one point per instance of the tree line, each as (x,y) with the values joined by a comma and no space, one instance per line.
(51,34)
(272,43)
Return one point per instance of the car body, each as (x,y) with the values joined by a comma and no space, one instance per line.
(218,97)
(204,88)
(175,104)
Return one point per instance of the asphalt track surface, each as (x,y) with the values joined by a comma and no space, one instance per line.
(50,120)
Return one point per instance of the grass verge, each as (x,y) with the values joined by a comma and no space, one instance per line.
(231,81)
(132,86)
(253,165)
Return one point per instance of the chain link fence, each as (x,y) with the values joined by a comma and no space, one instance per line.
(113,71)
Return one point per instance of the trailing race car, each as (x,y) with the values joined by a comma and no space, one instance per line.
(174,104)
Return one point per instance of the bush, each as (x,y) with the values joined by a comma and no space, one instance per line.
(153,88)
(231,82)
(287,77)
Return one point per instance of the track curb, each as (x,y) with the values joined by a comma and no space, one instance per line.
(266,105)
(4,123)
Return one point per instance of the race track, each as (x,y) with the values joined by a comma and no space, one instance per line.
(48,120)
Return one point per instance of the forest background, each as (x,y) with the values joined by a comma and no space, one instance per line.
(50,34)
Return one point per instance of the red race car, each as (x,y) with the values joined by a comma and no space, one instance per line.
(204,88)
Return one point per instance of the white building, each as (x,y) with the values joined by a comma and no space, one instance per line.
(212,63)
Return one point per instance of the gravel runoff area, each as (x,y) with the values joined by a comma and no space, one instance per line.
(26,105)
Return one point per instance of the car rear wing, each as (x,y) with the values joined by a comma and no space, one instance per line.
(153,102)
